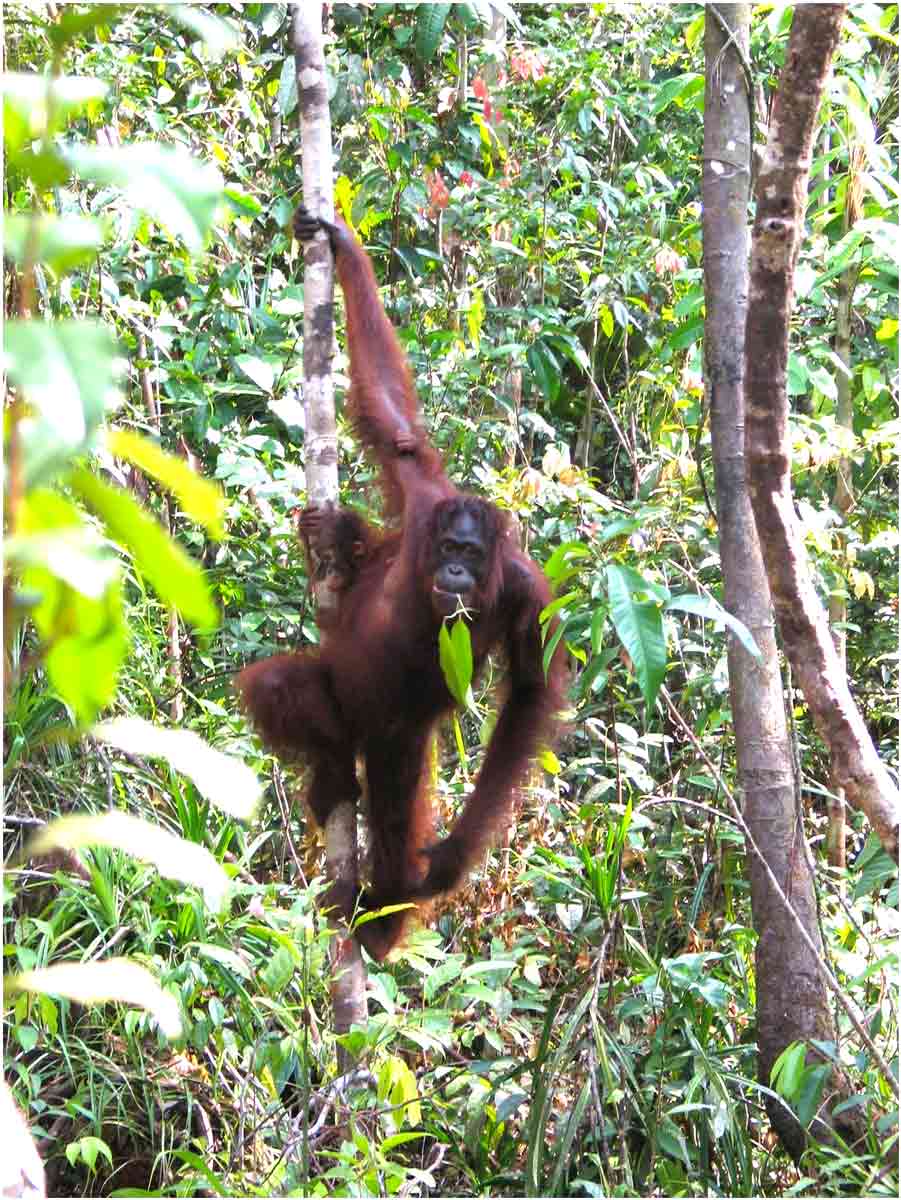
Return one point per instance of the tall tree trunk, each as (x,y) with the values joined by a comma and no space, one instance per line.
(778,229)
(321,450)
(792,1000)
(843,500)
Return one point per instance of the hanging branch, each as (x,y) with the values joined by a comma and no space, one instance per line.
(778,229)
(321,452)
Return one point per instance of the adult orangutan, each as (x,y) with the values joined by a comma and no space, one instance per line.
(374,687)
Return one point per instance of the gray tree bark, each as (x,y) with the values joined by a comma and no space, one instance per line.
(348,986)
(778,229)
(792,999)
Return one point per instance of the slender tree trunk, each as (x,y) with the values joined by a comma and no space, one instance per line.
(321,449)
(778,229)
(843,499)
(792,1000)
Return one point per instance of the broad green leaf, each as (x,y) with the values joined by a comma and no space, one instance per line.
(230,959)
(706,606)
(175,577)
(77,605)
(545,368)
(638,583)
(475,318)
(172,856)
(117,979)
(788,1070)
(37,104)
(287,87)
(220,778)
(67,374)
(177,190)
(810,1093)
(60,242)
(52,533)
(617,528)
(679,91)
(86,1150)
(430,22)
(261,372)
(243,202)
(671,1141)
(640,628)
(405,1095)
(694,30)
(87,641)
(200,499)
(455,656)
(561,564)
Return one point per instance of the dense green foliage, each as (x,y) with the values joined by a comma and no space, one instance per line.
(579,1020)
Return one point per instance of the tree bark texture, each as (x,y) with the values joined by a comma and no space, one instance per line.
(348,987)
(792,999)
(778,229)
(843,500)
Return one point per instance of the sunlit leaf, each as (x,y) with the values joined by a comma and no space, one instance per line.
(175,577)
(706,606)
(60,242)
(67,373)
(257,369)
(216,32)
(172,856)
(117,979)
(200,499)
(31,101)
(220,778)
(175,188)
(74,585)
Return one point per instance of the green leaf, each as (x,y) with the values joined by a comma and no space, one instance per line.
(640,628)
(60,242)
(706,606)
(677,91)
(76,22)
(287,87)
(200,499)
(67,373)
(53,534)
(810,1093)
(545,368)
(561,564)
(455,656)
(788,1070)
(176,189)
(671,1141)
(37,104)
(78,612)
(220,778)
(175,577)
(261,372)
(430,22)
(230,959)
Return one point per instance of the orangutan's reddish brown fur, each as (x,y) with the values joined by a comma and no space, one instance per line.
(374,687)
